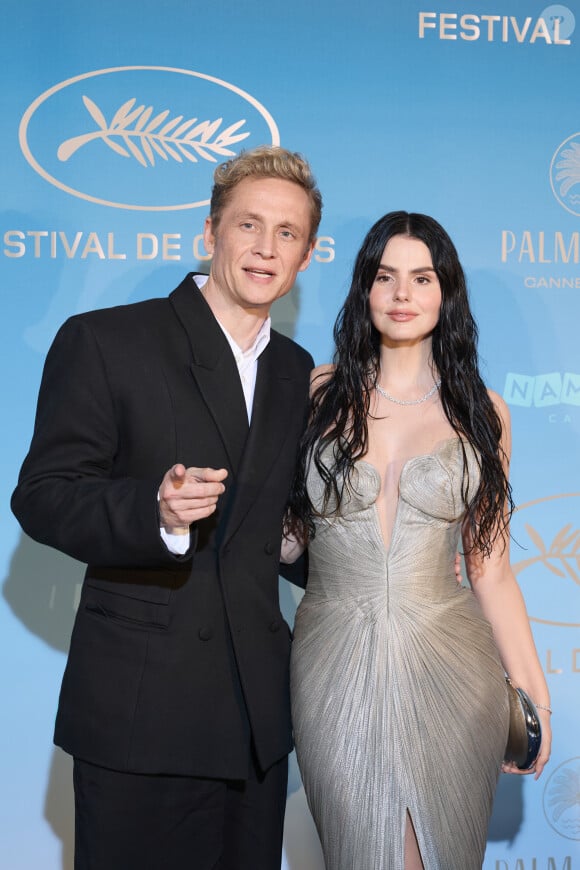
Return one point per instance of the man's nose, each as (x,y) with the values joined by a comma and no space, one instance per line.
(265,244)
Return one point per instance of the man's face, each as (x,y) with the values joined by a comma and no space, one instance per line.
(259,245)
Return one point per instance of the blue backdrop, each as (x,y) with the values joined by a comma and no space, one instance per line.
(112,118)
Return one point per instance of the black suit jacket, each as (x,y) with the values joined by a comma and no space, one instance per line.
(175,662)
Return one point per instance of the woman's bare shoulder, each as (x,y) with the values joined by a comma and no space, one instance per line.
(503,413)
(500,405)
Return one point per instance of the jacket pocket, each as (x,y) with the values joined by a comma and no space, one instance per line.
(139,584)
(142,614)
(136,597)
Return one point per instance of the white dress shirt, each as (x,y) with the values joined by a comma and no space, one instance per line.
(247,363)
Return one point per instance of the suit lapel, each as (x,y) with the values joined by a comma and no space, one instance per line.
(271,413)
(213,368)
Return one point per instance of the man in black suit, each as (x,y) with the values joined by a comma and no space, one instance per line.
(162,456)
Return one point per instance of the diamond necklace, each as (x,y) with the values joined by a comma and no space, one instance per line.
(420,401)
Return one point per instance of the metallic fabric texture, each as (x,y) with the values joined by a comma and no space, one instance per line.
(399,699)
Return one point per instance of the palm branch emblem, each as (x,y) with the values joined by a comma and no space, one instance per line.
(569,168)
(565,174)
(136,132)
(562,799)
(561,557)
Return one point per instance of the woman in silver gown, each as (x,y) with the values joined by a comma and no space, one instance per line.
(399,700)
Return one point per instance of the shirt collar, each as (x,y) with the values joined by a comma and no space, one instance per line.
(260,342)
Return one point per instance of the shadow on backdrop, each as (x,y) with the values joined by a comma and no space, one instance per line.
(508,809)
(42,589)
(59,808)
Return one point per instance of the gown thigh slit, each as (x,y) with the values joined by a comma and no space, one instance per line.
(399,701)
(413,859)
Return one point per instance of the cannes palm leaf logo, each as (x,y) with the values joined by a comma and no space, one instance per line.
(569,168)
(562,557)
(564,792)
(133,132)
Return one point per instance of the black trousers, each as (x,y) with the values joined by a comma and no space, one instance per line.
(127,821)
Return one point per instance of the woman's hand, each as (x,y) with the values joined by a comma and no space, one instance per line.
(544,753)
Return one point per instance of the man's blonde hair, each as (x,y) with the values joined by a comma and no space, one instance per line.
(265,161)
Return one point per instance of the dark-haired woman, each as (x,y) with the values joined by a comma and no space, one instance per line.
(399,700)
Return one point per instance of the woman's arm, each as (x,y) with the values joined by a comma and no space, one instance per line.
(294,539)
(496,588)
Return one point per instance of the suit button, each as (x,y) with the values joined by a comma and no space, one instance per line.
(205,633)
(275,625)
(268,549)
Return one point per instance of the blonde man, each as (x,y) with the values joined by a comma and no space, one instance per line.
(162,456)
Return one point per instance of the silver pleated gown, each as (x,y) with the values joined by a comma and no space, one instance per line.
(398,694)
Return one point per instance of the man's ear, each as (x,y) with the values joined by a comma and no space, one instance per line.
(307,256)
(208,235)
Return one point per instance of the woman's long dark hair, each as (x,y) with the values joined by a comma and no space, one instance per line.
(341,403)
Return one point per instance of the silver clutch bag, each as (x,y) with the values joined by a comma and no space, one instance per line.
(525,731)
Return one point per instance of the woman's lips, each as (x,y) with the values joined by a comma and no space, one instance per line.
(401,316)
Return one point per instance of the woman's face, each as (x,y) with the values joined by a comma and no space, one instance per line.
(405,297)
